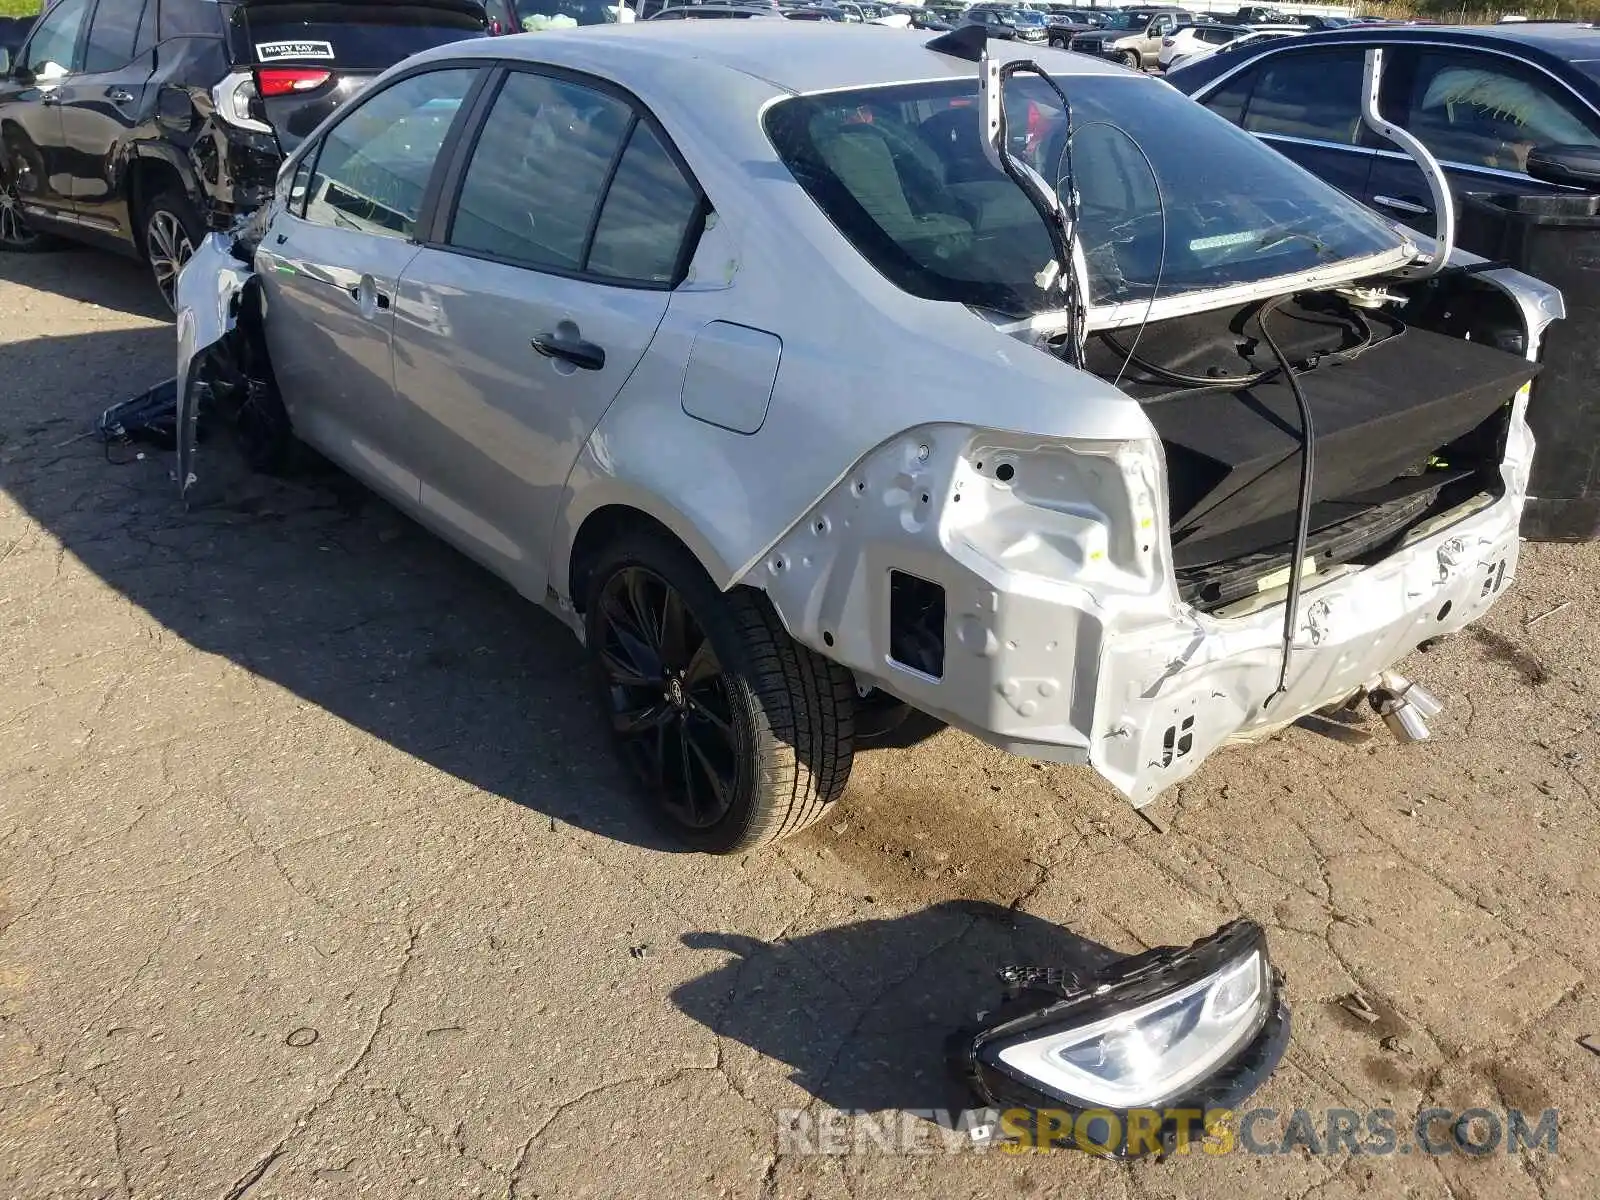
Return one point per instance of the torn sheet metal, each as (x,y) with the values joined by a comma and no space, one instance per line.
(1066,639)
(207,302)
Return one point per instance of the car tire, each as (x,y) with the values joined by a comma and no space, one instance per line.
(737,734)
(1131,60)
(170,232)
(15,236)
(1057,44)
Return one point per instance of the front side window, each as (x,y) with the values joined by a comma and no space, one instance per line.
(1483,110)
(53,49)
(535,179)
(1316,96)
(902,174)
(373,166)
(112,34)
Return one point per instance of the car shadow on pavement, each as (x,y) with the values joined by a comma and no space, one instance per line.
(111,281)
(861,1012)
(311,583)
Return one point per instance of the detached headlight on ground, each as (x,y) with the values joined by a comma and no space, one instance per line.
(1143,1056)
(1192,1027)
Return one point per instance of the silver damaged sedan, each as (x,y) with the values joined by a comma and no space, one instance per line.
(814,376)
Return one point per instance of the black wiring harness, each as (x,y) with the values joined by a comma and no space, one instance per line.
(1302,515)
(1368,338)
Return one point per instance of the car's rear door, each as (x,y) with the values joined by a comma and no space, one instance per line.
(560,237)
(1480,114)
(304,58)
(31,150)
(331,264)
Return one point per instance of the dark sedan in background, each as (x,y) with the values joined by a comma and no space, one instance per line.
(1483,99)
(1512,114)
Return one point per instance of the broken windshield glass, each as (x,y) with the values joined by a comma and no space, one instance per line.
(901,171)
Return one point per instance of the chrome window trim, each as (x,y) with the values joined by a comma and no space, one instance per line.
(1373,152)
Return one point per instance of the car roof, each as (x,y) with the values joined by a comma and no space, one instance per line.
(797,56)
(1570,39)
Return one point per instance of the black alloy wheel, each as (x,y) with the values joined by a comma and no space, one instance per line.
(670,704)
(738,734)
(15,235)
(172,232)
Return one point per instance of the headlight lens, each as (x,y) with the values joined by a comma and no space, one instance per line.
(1154,1051)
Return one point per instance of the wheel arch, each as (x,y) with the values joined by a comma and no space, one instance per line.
(149,172)
(571,572)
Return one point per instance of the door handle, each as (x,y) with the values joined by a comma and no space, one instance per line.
(49,97)
(1405,206)
(576,351)
(119,96)
(381,299)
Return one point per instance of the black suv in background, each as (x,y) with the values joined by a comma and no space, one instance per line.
(139,125)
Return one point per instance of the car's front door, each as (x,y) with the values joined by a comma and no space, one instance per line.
(541,291)
(331,264)
(1306,104)
(1480,114)
(31,153)
(100,107)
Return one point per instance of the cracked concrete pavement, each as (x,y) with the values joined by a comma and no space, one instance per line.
(317,877)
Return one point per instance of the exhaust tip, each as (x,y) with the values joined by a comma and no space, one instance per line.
(1424,701)
(1404,719)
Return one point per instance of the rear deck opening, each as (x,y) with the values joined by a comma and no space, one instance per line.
(1409,422)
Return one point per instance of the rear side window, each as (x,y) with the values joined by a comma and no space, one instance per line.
(536,176)
(567,178)
(363,37)
(649,212)
(189,18)
(1316,96)
(373,166)
(112,34)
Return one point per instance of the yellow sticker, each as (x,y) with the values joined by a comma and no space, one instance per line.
(1280,577)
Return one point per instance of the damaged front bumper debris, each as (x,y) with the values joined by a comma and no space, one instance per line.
(208,301)
(1138,1056)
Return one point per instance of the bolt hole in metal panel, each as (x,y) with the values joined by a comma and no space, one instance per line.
(730,375)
